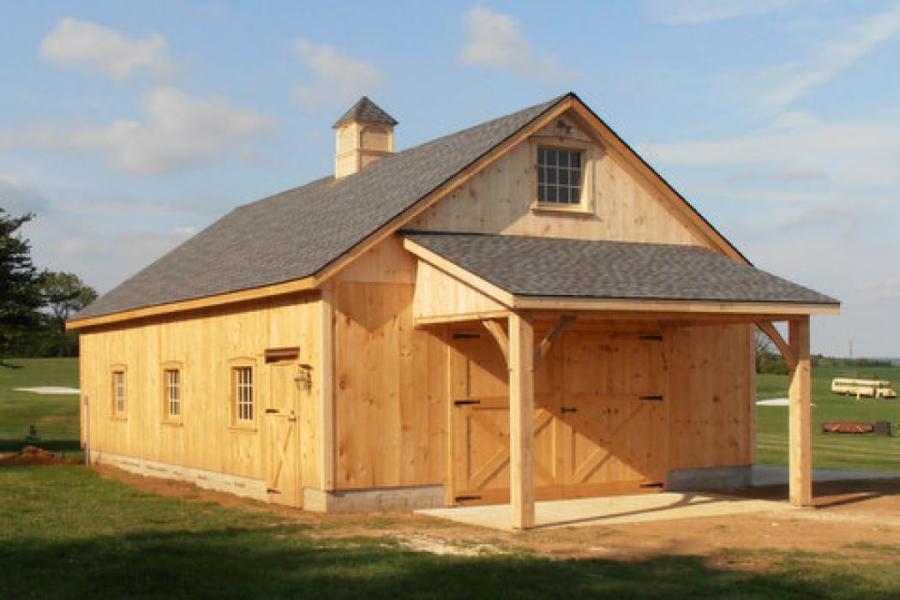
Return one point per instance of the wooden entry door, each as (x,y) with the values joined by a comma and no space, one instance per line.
(283,436)
(614,413)
(479,425)
(600,418)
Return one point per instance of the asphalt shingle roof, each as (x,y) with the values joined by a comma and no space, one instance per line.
(367,111)
(298,232)
(532,266)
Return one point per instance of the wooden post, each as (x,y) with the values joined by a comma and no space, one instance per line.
(521,420)
(326,393)
(800,416)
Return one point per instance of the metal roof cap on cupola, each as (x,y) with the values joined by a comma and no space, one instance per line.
(364,134)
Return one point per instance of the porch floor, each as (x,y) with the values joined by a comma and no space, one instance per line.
(611,510)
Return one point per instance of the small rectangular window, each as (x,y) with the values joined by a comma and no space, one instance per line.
(242,392)
(173,393)
(118,392)
(559,175)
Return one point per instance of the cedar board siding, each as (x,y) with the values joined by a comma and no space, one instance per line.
(624,206)
(204,343)
(393,399)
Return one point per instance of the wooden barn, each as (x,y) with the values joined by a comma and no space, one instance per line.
(521,310)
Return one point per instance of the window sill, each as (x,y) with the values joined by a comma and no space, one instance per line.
(119,418)
(173,423)
(251,428)
(567,209)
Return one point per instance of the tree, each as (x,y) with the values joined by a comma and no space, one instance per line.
(767,359)
(64,294)
(20,296)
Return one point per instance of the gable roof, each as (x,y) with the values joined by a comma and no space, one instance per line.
(555,267)
(298,232)
(367,111)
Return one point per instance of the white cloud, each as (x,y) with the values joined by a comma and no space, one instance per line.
(849,154)
(103,237)
(495,40)
(187,230)
(18,198)
(692,12)
(178,131)
(336,78)
(75,43)
(778,86)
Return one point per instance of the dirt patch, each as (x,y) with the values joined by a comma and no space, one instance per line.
(34,456)
(444,547)
(853,521)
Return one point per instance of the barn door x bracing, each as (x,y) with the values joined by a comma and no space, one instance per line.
(283,436)
(599,419)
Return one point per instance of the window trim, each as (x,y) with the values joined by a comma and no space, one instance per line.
(121,415)
(585,205)
(236,424)
(167,417)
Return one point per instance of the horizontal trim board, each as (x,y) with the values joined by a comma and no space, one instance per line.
(683,306)
(269,291)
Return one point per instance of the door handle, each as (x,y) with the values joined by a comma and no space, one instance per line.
(568,409)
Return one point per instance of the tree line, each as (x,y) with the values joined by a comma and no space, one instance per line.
(769,360)
(35,304)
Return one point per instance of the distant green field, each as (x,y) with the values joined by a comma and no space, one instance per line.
(832,451)
(54,417)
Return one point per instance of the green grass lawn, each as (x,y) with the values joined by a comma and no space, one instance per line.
(830,450)
(54,417)
(67,533)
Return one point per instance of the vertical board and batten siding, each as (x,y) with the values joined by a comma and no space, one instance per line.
(203,343)
(441,296)
(624,205)
(390,388)
(711,396)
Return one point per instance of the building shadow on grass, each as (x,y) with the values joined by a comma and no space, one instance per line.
(68,447)
(284,561)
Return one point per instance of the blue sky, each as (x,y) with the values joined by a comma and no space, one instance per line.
(126,127)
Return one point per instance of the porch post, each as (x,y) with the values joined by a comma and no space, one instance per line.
(521,421)
(800,416)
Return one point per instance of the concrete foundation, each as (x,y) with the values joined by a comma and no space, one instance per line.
(210,480)
(396,499)
(709,480)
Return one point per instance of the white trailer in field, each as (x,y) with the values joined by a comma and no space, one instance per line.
(868,388)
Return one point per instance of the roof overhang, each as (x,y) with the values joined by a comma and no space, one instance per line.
(237,297)
(614,307)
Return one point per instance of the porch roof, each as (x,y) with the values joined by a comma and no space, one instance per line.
(532,267)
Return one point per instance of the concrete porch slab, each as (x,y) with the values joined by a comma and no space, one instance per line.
(763,476)
(611,510)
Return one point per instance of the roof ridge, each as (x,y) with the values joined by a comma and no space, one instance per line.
(405,151)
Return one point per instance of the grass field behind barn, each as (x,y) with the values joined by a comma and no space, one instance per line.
(54,417)
(832,451)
